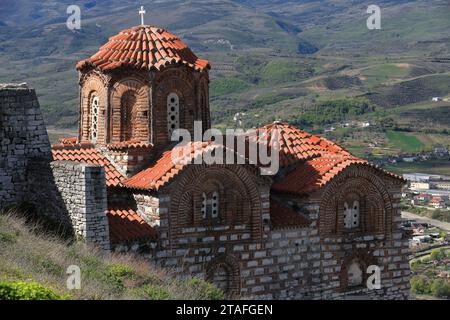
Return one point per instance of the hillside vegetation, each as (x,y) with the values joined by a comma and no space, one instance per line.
(271,60)
(33,265)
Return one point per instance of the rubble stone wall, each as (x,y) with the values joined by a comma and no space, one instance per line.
(70,193)
(22,137)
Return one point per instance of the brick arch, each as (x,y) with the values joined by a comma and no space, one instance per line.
(230,264)
(139,121)
(363,258)
(186,93)
(233,178)
(376,202)
(228,187)
(93,84)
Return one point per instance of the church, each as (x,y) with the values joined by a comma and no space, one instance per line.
(326,225)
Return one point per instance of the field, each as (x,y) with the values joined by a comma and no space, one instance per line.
(404,141)
(431,167)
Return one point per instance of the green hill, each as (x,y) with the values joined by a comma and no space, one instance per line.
(271,59)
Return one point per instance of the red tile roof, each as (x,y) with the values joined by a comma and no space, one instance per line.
(313,174)
(317,159)
(131,144)
(164,169)
(126,225)
(87,153)
(144,47)
(295,144)
(283,216)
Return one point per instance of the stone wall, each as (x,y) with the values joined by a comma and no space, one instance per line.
(83,190)
(23,137)
(72,194)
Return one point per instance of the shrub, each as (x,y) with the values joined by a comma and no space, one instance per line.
(7,238)
(20,290)
(205,289)
(440,288)
(117,273)
(438,254)
(157,293)
(420,285)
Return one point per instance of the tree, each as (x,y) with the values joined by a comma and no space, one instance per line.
(438,254)
(420,285)
(440,288)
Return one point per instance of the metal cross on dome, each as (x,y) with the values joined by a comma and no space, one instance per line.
(141,13)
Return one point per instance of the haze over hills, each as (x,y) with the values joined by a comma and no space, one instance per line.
(297,61)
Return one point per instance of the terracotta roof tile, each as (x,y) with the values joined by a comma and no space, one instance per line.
(87,153)
(126,225)
(316,159)
(282,215)
(293,143)
(314,173)
(164,169)
(129,144)
(144,47)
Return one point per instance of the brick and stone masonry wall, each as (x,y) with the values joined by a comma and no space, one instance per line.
(71,193)
(292,262)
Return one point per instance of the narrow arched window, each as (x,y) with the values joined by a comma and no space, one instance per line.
(94,118)
(351,214)
(128,115)
(210,205)
(173,113)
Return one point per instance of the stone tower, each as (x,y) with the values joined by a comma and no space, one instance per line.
(140,86)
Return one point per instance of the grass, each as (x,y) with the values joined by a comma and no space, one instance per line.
(405,142)
(30,258)
(279,71)
(228,85)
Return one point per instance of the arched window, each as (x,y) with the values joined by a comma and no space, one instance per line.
(354,274)
(128,115)
(94,118)
(351,214)
(173,113)
(210,205)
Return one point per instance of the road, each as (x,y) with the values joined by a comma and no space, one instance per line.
(440,224)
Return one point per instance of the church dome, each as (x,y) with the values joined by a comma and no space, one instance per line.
(144,48)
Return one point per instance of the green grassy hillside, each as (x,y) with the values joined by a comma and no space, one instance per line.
(33,266)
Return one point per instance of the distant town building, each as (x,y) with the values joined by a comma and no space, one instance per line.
(437,202)
(443,184)
(419,185)
(440,150)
